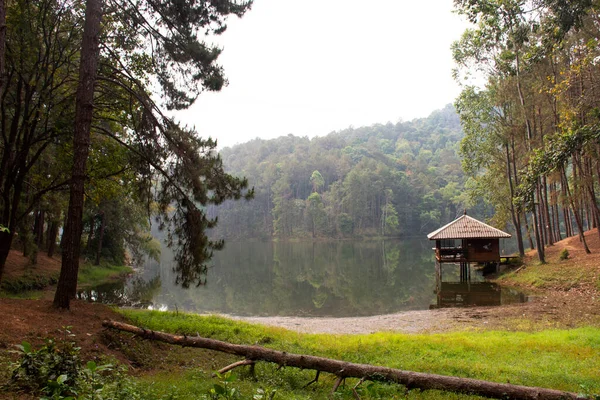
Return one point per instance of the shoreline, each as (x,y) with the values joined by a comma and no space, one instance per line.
(416,321)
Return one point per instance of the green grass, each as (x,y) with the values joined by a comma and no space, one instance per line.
(558,359)
(552,275)
(92,275)
(27,283)
(26,294)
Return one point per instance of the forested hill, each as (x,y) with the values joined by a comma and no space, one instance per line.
(399,179)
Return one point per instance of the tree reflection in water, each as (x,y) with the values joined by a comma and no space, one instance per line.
(334,278)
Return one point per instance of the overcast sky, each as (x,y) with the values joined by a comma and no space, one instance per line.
(310,67)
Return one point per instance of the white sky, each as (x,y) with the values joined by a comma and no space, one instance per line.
(309,67)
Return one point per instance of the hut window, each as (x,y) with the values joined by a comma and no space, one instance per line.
(448,244)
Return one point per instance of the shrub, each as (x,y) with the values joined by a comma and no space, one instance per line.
(55,371)
(36,368)
(564,254)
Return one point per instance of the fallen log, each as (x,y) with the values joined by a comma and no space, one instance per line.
(342,369)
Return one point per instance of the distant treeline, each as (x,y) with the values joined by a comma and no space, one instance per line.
(382,180)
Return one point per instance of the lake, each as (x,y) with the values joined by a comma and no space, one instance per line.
(316,279)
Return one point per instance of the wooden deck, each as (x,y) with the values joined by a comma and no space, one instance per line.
(450,255)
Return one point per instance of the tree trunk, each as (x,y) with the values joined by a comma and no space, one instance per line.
(100,238)
(90,238)
(2,45)
(513,212)
(6,239)
(546,210)
(52,234)
(538,235)
(344,369)
(84,109)
(555,215)
(575,212)
(531,245)
(39,229)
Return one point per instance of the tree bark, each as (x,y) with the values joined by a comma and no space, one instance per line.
(2,45)
(39,228)
(513,212)
(547,219)
(538,234)
(344,369)
(84,109)
(91,233)
(51,239)
(531,244)
(575,212)
(100,238)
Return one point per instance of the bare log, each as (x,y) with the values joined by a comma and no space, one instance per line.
(235,365)
(344,369)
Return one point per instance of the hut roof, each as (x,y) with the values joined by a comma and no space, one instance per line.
(466,227)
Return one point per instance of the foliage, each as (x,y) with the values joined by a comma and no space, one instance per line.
(56,372)
(564,255)
(98,274)
(226,389)
(52,362)
(530,116)
(134,147)
(372,181)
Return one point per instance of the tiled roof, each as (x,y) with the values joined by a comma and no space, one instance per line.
(466,227)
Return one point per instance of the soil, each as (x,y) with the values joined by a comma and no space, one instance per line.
(33,321)
(579,305)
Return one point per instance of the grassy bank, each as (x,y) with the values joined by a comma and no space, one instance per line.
(559,359)
(28,281)
(550,342)
(93,275)
(567,268)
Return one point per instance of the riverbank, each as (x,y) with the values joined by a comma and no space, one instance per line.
(562,294)
(563,319)
(22,279)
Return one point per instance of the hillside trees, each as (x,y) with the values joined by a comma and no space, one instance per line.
(383,180)
(539,60)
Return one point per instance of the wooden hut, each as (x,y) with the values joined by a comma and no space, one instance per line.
(466,240)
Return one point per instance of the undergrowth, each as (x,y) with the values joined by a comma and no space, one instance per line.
(97,274)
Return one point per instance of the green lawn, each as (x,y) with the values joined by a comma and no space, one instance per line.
(558,359)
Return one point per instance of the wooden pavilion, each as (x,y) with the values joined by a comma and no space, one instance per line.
(464,241)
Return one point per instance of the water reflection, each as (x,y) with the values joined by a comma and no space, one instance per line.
(349,278)
(471,294)
(136,292)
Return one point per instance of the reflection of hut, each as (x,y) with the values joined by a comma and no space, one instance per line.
(464,294)
(466,240)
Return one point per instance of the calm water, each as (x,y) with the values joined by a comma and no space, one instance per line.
(349,278)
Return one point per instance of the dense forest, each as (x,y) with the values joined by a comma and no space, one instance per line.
(382,180)
(532,130)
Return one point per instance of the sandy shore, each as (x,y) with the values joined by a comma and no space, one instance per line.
(567,309)
(408,322)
